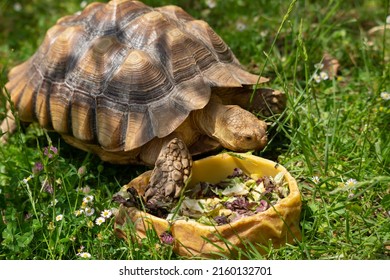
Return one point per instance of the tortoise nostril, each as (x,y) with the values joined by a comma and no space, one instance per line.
(248,138)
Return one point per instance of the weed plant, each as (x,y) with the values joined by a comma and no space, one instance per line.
(331,58)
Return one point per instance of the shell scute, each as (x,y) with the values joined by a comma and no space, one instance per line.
(111,129)
(60,104)
(175,13)
(82,117)
(96,66)
(138,81)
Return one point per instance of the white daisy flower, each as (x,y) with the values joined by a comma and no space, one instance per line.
(88,199)
(317,78)
(350,182)
(84,255)
(106,213)
(315,179)
(59,217)
(100,220)
(89,211)
(324,75)
(385,95)
(53,202)
(25,180)
(78,212)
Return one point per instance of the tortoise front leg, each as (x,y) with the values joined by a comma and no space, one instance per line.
(169,176)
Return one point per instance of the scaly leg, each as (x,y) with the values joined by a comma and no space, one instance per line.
(169,177)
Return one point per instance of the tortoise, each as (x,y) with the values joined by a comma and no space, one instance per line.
(135,84)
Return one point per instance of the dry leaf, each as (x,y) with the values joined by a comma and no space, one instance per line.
(331,65)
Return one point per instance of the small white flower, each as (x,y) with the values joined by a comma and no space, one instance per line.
(25,180)
(59,217)
(83,4)
(84,255)
(240,26)
(78,212)
(211,3)
(89,211)
(17,7)
(385,95)
(264,33)
(350,182)
(100,220)
(317,78)
(388,19)
(324,75)
(106,213)
(53,202)
(320,77)
(88,199)
(315,179)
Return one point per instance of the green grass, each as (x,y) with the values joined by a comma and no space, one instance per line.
(332,131)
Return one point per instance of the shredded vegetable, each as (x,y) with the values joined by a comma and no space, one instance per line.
(233,198)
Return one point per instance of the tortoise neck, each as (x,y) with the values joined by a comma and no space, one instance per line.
(206,120)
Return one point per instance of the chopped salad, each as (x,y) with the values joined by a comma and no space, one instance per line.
(237,196)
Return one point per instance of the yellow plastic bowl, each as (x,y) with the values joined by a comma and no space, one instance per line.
(278,225)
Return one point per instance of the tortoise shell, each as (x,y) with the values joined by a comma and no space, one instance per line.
(118,75)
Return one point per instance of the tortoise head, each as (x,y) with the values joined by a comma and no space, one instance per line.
(240,130)
(233,127)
